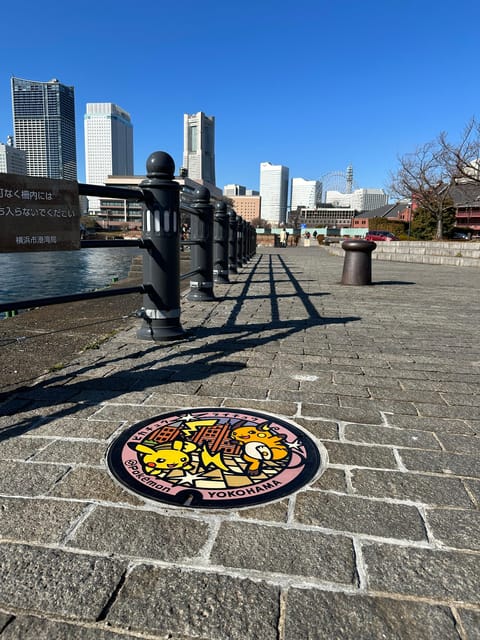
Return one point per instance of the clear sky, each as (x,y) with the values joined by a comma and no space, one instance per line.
(309,84)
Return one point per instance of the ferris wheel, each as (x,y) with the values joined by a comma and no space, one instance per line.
(341,181)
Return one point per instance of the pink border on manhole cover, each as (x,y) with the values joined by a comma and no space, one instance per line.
(215,458)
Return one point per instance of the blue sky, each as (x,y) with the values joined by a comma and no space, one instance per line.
(312,85)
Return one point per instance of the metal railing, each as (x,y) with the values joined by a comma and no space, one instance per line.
(220,242)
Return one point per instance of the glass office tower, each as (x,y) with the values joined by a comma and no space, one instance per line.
(44,127)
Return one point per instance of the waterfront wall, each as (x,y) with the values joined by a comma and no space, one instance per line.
(460,254)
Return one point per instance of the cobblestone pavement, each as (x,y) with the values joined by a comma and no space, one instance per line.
(385,544)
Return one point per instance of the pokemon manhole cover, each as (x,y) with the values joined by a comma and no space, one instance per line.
(214,458)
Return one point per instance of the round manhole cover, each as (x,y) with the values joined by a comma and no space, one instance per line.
(215,458)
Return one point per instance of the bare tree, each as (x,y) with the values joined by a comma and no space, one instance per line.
(463,158)
(424,177)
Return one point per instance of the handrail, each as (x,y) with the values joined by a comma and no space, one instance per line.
(74,297)
(219,243)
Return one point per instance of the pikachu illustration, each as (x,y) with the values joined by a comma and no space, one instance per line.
(174,456)
(259,444)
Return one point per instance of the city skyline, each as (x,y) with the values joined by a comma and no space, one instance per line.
(313,87)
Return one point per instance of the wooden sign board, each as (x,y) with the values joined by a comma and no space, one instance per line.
(38,214)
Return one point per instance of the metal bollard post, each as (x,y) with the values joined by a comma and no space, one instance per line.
(239,242)
(357,265)
(201,253)
(232,242)
(161,261)
(244,241)
(220,244)
(253,242)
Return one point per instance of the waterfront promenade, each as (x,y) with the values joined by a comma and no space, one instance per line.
(384,544)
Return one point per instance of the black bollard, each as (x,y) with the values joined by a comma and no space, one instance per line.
(253,242)
(201,251)
(357,265)
(161,260)
(239,242)
(232,242)
(244,241)
(220,244)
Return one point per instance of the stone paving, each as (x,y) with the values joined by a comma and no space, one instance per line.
(385,544)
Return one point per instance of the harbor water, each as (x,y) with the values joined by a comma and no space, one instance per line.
(31,275)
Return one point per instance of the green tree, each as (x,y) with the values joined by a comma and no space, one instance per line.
(424,224)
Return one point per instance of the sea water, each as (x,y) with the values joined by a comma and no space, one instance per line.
(42,274)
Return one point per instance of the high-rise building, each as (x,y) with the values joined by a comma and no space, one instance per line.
(44,127)
(305,193)
(273,192)
(234,190)
(12,160)
(247,207)
(108,145)
(199,147)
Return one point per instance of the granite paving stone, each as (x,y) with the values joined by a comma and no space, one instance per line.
(390,436)
(73,427)
(460,412)
(359,515)
(28,478)
(346,414)
(72,452)
(360,455)
(37,520)
(331,480)
(40,580)
(178,602)
(471,622)
(440,462)
(321,429)
(280,550)
(461,444)
(436,425)
(423,488)
(92,484)
(426,573)
(25,627)
(454,527)
(144,534)
(21,447)
(325,615)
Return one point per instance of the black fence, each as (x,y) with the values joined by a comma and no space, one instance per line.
(220,242)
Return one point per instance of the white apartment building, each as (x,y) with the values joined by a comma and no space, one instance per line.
(358,200)
(273,192)
(305,193)
(12,160)
(108,145)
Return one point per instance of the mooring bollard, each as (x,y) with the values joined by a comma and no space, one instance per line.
(220,244)
(201,250)
(161,260)
(232,242)
(357,265)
